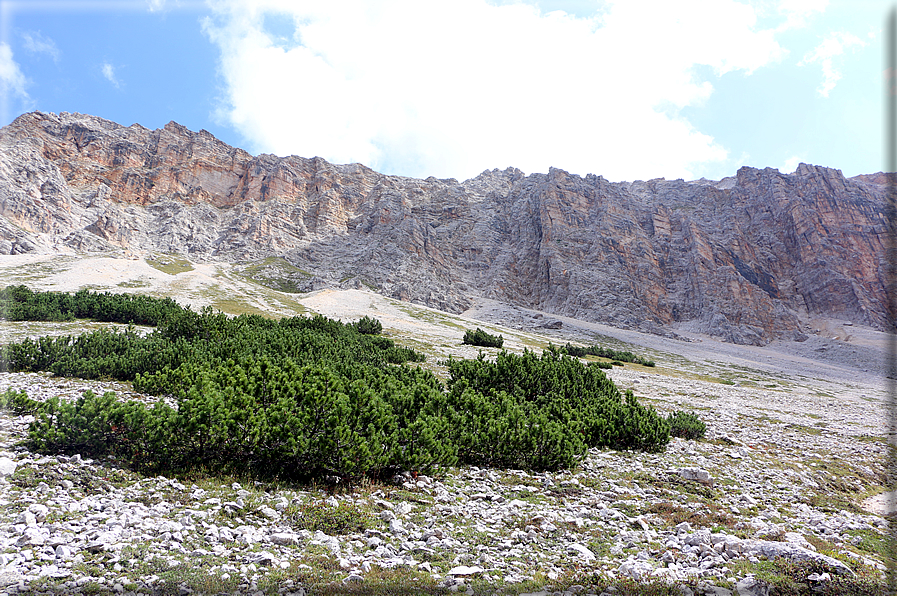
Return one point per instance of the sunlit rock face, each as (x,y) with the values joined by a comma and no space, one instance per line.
(745,258)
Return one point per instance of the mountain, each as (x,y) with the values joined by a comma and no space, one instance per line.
(748,258)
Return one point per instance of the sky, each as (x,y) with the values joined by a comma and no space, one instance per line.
(625,89)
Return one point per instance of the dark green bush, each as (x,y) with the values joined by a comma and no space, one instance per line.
(368,326)
(620,356)
(506,404)
(482,339)
(18,402)
(686,425)
(308,397)
(19,303)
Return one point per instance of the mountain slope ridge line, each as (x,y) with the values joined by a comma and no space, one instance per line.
(748,259)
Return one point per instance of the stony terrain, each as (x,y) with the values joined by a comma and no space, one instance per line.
(776,482)
(748,259)
(794,450)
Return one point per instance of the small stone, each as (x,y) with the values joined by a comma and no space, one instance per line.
(7,467)
(697,475)
(581,551)
(465,570)
(284,538)
(750,586)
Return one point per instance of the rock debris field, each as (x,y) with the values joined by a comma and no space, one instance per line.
(780,474)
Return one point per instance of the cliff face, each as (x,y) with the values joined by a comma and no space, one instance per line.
(743,258)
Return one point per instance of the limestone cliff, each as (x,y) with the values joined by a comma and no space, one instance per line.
(744,258)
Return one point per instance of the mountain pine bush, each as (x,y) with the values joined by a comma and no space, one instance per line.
(482,339)
(686,425)
(368,326)
(305,397)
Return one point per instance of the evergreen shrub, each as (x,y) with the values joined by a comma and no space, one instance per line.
(306,397)
(619,355)
(686,425)
(482,339)
(368,326)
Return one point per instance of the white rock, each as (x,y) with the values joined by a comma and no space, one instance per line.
(268,512)
(465,570)
(750,586)
(581,550)
(7,467)
(27,518)
(696,474)
(284,538)
(40,511)
(636,569)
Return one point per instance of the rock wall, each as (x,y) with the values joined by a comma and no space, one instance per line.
(744,258)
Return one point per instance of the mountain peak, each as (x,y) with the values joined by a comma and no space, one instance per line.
(748,258)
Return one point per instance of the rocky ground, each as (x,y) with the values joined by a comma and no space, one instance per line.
(789,470)
(776,477)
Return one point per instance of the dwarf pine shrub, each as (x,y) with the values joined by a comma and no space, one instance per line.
(619,355)
(482,339)
(686,425)
(368,326)
(309,397)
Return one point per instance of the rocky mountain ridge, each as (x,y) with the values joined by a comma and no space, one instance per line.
(748,258)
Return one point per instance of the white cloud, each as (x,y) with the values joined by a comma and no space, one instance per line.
(791,164)
(798,12)
(35,42)
(826,53)
(12,84)
(451,88)
(109,74)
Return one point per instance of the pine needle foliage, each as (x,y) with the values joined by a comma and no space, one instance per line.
(306,397)
(482,339)
(619,355)
(686,425)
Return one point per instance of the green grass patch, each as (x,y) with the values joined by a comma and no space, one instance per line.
(278,274)
(170,264)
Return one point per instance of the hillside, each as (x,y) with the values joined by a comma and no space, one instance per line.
(795,447)
(748,259)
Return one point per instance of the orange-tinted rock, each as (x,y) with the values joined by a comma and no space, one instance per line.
(744,258)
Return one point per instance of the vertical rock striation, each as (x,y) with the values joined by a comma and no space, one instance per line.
(744,258)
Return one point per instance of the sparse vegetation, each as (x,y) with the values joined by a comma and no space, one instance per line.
(170,264)
(278,274)
(617,355)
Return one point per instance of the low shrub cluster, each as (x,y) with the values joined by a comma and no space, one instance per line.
(307,397)
(686,425)
(530,411)
(619,355)
(20,303)
(368,326)
(482,339)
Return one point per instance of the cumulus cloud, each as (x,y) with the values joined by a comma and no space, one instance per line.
(12,84)
(826,55)
(450,88)
(35,42)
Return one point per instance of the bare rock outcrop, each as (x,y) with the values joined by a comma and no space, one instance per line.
(744,258)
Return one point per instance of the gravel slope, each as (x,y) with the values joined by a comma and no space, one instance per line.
(795,447)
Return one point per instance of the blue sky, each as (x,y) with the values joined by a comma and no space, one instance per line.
(628,89)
